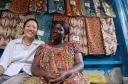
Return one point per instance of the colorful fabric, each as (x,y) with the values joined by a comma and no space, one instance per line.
(94,36)
(108,8)
(56,6)
(99,9)
(82,8)
(59,17)
(8,23)
(78,33)
(20,23)
(19,6)
(4,4)
(109,35)
(54,59)
(38,5)
(89,8)
(45,25)
(72,7)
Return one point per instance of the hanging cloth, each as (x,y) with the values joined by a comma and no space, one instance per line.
(4,4)
(19,6)
(108,8)
(72,7)
(78,33)
(8,23)
(94,36)
(45,25)
(109,35)
(37,5)
(99,9)
(56,6)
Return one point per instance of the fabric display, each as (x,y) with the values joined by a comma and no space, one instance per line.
(38,5)
(94,36)
(19,6)
(109,36)
(108,8)
(8,23)
(4,4)
(59,17)
(82,8)
(78,33)
(99,9)
(89,8)
(45,25)
(20,23)
(72,7)
(56,6)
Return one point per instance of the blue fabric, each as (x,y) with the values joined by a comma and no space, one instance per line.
(56,6)
(45,24)
(4,4)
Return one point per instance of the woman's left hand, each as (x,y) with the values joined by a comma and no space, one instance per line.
(60,78)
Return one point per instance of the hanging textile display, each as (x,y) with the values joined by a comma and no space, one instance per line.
(108,8)
(19,6)
(4,4)
(38,5)
(72,7)
(56,6)
(45,25)
(59,17)
(8,23)
(78,33)
(109,35)
(89,8)
(20,22)
(99,9)
(94,36)
(82,7)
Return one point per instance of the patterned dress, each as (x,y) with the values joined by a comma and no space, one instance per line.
(54,59)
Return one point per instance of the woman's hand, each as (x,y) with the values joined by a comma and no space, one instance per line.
(60,78)
(49,76)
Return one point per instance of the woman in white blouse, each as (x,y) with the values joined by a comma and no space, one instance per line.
(16,60)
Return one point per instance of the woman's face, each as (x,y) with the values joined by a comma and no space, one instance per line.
(57,32)
(30,29)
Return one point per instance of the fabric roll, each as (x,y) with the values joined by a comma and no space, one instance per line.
(20,23)
(99,9)
(78,33)
(45,25)
(59,17)
(19,6)
(94,36)
(56,6)
(8,23)
(72,7)
(109,35)
(38,5)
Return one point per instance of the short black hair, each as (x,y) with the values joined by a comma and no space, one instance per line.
(31,19)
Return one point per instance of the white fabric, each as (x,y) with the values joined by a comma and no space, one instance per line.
(15,57)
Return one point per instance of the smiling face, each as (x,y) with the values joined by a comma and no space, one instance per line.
(30,29)
(58,32)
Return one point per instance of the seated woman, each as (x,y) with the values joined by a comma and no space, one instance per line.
(58,62)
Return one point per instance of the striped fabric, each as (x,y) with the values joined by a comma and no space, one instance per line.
(109,35)
(8,23)
(54,60)
(78,33)
(94,36)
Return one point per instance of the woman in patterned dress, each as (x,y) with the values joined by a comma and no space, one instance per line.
(58,62)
